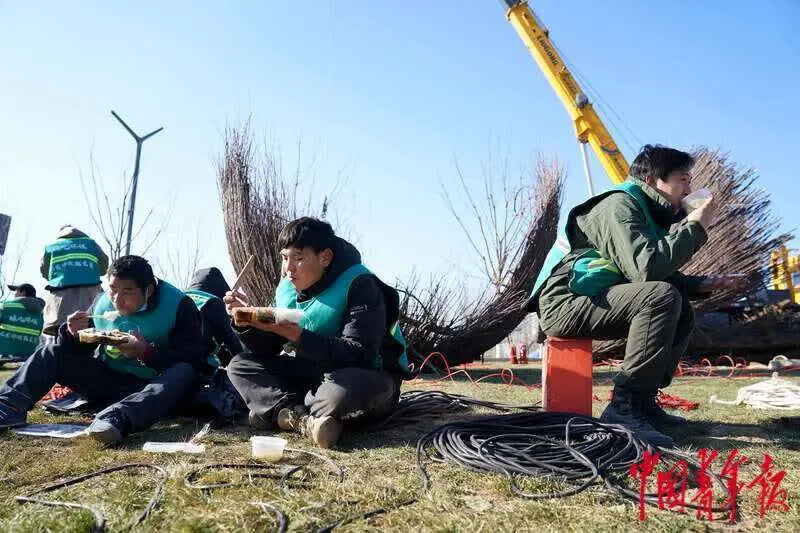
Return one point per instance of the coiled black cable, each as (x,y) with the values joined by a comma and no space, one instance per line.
(418,405)
(576,450)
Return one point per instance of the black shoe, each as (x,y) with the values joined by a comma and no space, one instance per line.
(656,414)
(11,416)
(624,411)
(260,422)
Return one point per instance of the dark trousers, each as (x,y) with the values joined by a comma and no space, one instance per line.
(351,395)
(141,401)
(656,319)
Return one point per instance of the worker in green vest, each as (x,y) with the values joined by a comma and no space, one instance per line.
(618,275)
(139,381)
(20,323)
(343,363)
(207,289)
(72,266)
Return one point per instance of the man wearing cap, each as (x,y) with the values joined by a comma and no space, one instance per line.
(20,323)
(72,266)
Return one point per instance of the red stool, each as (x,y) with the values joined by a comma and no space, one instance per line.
(567,375)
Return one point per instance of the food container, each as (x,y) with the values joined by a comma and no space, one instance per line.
(696,199)
(268,448)
(243,316)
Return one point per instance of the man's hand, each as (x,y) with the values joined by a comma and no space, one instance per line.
(77,321)
(722,282)
(287,330)
(134,348)
(233,300)
(704,214)
(729,281)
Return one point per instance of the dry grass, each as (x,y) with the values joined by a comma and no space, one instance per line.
(380,471)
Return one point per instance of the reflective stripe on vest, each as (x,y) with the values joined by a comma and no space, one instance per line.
(20,329)
(73,261)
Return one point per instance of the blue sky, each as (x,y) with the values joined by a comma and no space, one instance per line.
(387,94)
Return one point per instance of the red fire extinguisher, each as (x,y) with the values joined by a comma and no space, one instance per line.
(523,353)
(512,353)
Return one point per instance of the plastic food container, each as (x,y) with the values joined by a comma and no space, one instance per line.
(269,448)
(696,199)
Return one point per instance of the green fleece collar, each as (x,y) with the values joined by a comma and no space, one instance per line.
(660,208)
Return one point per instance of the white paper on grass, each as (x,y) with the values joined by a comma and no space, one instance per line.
(59,431)
(173,447)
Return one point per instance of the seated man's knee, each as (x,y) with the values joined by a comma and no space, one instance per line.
(330,399)
(665,294)
(239,361)
(182,372)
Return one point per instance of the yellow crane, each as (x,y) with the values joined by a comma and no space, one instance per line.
(589,128)
(783,266)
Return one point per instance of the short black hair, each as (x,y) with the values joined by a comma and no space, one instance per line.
(134,268)
(659,161)
(307,231)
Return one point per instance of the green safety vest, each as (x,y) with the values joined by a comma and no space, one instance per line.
(154,325)
(73,261)
(201,298)
(19,328)
(324,312)
(591,273)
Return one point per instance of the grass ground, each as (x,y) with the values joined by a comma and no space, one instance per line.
(380,471)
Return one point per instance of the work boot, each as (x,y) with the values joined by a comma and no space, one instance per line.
(323,430)
(624,410)
(109,429)
(11,417)
(260,422)
(289,417)
(656,414)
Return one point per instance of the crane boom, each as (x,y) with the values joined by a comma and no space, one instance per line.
(588,126)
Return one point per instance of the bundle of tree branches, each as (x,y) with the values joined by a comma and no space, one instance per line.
(258,198)
(511,235)
(745,230)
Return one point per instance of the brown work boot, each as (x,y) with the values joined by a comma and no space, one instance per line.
(289,417)
(323,430)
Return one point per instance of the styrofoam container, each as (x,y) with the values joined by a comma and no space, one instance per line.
(283,315)
(696,199)
(269,448)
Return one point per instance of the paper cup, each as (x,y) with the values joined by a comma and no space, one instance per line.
(269,448)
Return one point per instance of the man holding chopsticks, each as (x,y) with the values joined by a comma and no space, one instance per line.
(339,356)
(136,353)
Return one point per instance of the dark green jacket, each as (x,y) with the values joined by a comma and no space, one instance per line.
(615,225)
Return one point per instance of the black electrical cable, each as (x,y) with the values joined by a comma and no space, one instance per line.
(99,519)
(576,450)
(416,405)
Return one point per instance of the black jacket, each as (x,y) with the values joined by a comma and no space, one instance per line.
(184,344)
(217,328)
(364,323)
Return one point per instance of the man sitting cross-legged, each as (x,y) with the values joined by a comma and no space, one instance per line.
(349,354)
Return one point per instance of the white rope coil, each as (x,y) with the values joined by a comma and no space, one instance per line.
(774,393)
